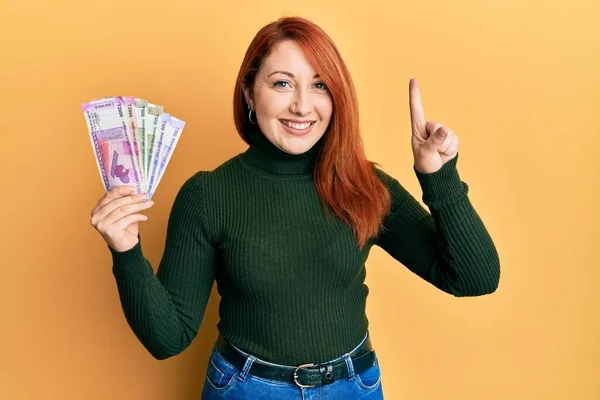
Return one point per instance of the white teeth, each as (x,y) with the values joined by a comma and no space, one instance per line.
(296,126)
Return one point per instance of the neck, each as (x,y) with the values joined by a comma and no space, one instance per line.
(266,156)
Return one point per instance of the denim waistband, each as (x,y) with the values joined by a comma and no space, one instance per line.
(293,366)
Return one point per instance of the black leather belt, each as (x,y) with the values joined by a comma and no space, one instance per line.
(305,375)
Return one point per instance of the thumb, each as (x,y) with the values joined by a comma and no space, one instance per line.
(435,141)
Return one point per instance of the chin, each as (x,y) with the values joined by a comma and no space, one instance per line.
(293,144)
(298,147)
(294,150)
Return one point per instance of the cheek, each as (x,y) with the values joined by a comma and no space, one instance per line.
(272,104)
(324,107)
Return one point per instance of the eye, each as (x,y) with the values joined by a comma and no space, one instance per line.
(321,86)
(281,84)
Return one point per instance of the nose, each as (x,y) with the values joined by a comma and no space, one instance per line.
(301,103)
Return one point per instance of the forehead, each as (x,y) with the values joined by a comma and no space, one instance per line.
(288,56)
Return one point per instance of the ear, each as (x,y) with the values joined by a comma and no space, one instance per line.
(248,96)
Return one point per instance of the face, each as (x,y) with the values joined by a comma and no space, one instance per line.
(293,106)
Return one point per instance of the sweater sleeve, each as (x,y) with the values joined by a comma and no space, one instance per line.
(165,311)
(448,247)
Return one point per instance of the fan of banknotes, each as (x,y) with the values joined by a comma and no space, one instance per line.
(133,141)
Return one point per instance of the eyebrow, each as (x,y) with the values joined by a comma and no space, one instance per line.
(288,74)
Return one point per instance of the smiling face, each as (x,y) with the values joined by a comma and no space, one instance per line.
(293,106)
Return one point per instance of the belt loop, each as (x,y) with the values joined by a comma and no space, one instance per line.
(349,365)
(246,368)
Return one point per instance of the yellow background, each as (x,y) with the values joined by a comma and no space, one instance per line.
(517,81)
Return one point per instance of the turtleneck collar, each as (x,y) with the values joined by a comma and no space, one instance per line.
(266,156)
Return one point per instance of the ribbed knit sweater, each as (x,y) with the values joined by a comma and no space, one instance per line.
(291,279)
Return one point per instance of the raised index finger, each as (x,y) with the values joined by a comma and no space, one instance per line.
(417,116)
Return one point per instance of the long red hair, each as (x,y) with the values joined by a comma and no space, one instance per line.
(345,180)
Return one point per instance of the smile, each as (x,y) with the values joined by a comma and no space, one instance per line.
(295,125)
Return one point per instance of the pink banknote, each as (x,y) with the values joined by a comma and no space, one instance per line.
(111,140)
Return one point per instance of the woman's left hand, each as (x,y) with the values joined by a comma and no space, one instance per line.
(433,144)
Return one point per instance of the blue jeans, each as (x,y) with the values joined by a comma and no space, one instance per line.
(224,381)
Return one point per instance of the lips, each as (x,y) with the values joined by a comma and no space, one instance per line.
(296,124)
(296,128)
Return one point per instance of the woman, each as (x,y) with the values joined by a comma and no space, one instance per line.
(285,229)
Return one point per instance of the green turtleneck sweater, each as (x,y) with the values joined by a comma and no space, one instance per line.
(291,279)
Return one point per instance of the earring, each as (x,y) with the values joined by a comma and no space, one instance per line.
(250,117)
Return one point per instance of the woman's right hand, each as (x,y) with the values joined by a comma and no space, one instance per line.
(116,216)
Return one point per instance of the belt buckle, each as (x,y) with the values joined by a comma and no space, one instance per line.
(296,376)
